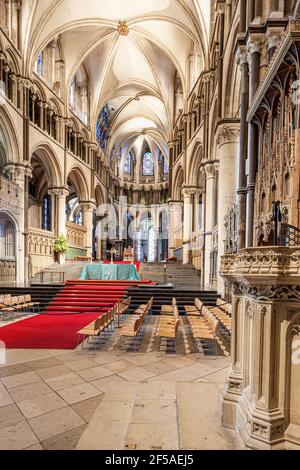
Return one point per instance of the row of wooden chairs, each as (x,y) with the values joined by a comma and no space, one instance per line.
(105,323)
(22,303)
(134,324)
(169,323)
(225,306)
(204,328)
(221,315)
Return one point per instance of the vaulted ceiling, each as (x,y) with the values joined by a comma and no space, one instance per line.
(133,68)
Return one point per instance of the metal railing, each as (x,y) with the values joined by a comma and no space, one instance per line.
(49,277)
(289,235)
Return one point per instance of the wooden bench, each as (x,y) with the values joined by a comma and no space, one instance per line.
(168,309)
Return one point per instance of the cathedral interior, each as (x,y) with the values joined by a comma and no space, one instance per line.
(149,155)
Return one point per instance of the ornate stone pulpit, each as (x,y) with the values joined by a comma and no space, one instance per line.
(261,395)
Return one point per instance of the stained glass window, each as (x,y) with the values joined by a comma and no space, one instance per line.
(73,94)
(166,167)
(102,127)
(127,164)
(39,64)
(148,165)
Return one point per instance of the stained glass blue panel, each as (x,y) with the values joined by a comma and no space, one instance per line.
(127,165)
(39,64)
(102,126)
(148,165)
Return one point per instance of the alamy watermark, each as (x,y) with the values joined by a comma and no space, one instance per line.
(2,353)
(2,92)
(296,352)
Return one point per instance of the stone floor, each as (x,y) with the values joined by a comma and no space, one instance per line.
(111,399)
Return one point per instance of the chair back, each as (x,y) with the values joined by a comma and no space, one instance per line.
(199,305)
(21,299)
(174,302)
(97,324)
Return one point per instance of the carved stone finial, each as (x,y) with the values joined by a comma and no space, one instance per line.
(123,29)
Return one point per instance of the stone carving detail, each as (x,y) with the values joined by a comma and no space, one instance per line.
(40,242)
(263,261)
(123,29)
(259,430)
(7,272)
(227,134)
(265,292)
(234,386)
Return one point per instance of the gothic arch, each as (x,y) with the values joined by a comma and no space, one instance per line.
(78,178)
(50,163)
(196,158)
(9,138)
(178,183)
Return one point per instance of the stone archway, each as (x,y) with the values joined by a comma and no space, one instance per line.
(8,250)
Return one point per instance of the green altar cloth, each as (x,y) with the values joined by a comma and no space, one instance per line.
(109,272)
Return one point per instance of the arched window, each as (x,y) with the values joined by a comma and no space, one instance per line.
(46,216)
(9,240)
(73,94)
(127,164)
(148,164)
(166,167)
(39,64)
(78,219)
(102,126)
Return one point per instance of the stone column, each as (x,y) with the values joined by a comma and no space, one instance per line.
(210,174)
(187,225)
(20,174)
(228,149)
(88,220)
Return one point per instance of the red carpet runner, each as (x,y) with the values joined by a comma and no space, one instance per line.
(78,304)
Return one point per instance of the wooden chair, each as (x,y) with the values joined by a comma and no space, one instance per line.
(168,309)
(92,330)
(195,309)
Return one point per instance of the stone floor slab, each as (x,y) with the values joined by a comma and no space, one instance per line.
(136,375)
(43,404)
(20,379)
(199,422)
(154,412)
(156,391)
(79,393)
(65,441)
(10,415)
(64,381)
(152,437)
(55,423)
(87,408)
(54,371)
(5,398)
(30,391)
(17,437)
(89,375)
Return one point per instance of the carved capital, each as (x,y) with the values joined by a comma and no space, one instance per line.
(227,134)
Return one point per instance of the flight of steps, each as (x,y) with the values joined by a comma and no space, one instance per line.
(164,295)
(52,275)
(182,276)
